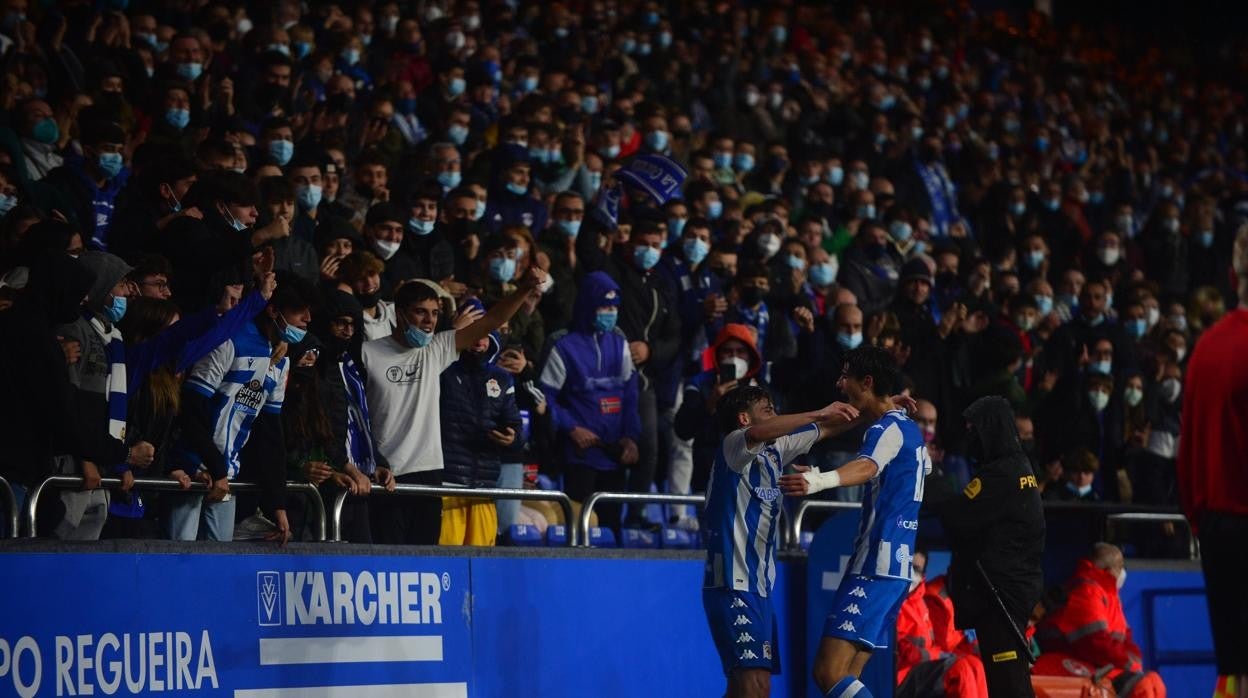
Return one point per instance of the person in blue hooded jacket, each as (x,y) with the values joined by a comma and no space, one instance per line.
(591,387)
(509,202)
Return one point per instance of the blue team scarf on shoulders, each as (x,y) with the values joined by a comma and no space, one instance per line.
(116,376)
(759,319)
(941,192)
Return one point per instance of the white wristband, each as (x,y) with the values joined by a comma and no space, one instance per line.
(818,482)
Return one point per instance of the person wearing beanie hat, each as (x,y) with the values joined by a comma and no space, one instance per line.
(87,185)
(101,396)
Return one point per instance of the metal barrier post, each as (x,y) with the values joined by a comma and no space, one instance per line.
(587,509)
(799,517)
(160,485)
(10,506)
(1193,546)
(494,493)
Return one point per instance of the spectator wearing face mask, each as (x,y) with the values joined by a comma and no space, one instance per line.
(89,184)
(1089,324)
(153,201)
(870,270)
(1165,246)
(509,202)
(732,360)
(360,274)
(295,255)
(498,269)
(1076,415)
(1162,405)
(560,242)
(385,229)
(1089,632)
(592,392)
(1079,468)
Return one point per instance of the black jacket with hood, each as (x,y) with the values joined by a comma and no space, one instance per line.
(997,521)
(36,379)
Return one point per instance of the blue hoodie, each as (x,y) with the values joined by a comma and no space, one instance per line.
(589,379)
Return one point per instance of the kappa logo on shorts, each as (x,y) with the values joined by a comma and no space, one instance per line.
(744,637)
(858,592)
(741,620)
(847,626)
(737,603)
(852,610)
(766,650)
(749,654)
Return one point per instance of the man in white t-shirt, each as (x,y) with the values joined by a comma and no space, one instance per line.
(404,388)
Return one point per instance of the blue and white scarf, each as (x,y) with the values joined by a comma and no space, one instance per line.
(758,319)
(942,194)
(359,439)
(116,377)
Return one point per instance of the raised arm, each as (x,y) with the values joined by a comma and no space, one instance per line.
(500,313)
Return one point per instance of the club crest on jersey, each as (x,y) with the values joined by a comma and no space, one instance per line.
(492,388)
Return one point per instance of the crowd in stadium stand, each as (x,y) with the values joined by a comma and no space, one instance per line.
(361,243)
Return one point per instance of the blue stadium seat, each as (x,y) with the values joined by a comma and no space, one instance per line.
(635,538)
(523,534)
(601,537)
(556,536)
(677,539)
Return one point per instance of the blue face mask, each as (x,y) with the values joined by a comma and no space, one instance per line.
(1042,144)
(529,83)
(235,223)
(280,48)
(604,320)
(178,118)
(743,162)
(569,229)
(796,262)
(646,257)
(456,87)
(1034,259)
(116,310)
(835,175)
(1018,208)
(419,227)
(695,251)
(309,196)
(190,71)
(1136,328)
(450,178)
(517,189)
(900,231)
(656,140)
(1205,239)
(866,211)
(822,274)
(281,151)
(292,334)
(849,340)
(595,180)
(675,227)
(351,56)
(1100,367)
(46,132)
(109,164)
(457,133)
(1044,304)
(302,49)
(589,104)
(722,160)
(779,33)
(502,269)
(538,155)
(7,203)
(478,210)
(417,337)
(715,209)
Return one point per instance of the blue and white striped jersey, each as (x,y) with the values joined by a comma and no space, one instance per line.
(741,523)
(890,506)
(239,382)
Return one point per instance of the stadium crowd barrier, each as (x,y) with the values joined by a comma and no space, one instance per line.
(10,507)
(494,493)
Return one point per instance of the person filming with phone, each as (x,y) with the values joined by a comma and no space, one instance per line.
(732,361)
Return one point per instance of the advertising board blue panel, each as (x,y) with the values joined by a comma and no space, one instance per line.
(250,626)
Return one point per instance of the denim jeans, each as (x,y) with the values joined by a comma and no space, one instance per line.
(191,518)
(511,477)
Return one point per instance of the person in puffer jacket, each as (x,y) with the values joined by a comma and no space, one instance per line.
(479,420)
(591,387)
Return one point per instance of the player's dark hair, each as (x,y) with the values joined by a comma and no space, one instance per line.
(876,363)
(739,400)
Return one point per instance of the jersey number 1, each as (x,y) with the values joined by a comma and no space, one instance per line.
(924,462)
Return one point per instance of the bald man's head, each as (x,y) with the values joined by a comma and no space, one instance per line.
(1108,557)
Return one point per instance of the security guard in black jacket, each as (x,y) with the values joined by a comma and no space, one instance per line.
(995,527)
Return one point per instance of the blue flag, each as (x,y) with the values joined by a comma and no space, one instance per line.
(657,175)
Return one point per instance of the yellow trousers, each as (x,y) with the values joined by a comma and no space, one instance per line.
(468,521)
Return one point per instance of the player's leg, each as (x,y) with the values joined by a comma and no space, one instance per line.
(834,665)
(749,683)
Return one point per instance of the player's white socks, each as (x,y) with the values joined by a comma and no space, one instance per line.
(818,482)
(848,687)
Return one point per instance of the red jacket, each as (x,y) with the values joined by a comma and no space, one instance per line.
(1091,626)
(1214,435)
(915,641)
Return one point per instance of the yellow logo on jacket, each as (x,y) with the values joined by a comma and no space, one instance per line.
(972,488)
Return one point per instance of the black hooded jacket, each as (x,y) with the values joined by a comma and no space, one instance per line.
(997,521)
(36,379)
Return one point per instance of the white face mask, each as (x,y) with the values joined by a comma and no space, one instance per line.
(915,580)
(740,366)
(769,245)
(385,249)
(1121,578)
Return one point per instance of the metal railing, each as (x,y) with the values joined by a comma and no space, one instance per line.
(495,493)
(799,517)
(1193,545)
(587,509)
(10,506)
(316,511)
